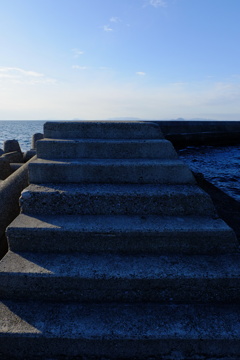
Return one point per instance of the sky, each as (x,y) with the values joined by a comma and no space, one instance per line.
(119,59)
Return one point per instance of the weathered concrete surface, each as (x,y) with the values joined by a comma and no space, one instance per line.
(110,171)
(36,137)
(119,331)
(198,126)
(29,155)
(127,199)
(10,191)
(102,130)
(121,278)
(121,234)
(16,166)
(11,145)
(13,157)
(5,168)
(124,285)
(101,149)
(200,132)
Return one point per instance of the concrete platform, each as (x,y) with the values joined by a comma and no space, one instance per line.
(118,199)
(103,149)
(102,130)
(110,171)
(119,331)
(121,234)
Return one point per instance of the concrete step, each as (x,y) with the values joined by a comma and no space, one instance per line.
(113,171)
(105,149)
(121,278)
(102,130)
(118,331)
(121,234)
(118,199)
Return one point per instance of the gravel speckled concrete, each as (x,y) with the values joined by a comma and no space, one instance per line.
(153,274)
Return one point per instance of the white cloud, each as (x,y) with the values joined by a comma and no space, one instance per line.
(77,52)
(141,73)
(107,28)
(158,3)
(78,67)
(17,75)
(14,72)
(115,19)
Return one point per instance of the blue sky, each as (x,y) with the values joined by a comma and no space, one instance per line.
(101,59)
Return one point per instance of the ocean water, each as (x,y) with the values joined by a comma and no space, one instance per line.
(21,131)
(219,165)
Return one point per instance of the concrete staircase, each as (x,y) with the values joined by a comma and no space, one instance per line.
(117,254)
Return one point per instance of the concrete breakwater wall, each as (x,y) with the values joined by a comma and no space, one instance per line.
(10,191)
(199,132)
(13,179)
(12,157)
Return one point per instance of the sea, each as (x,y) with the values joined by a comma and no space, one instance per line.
(21,131)
(219,164)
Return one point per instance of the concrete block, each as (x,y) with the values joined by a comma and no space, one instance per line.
(13,157)
(121,234)
(16,166)
(29,155)
(36,137)
(11,145)
(10,191)
(105,149)
(111,171)
(102,130)
(106,199)
(5,168)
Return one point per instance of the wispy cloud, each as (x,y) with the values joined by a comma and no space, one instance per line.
(78,67)
(18,75)
(141,73)
(14,72)
(77,52)
(107,28)
(115,19)
(158,3)
(114,23)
